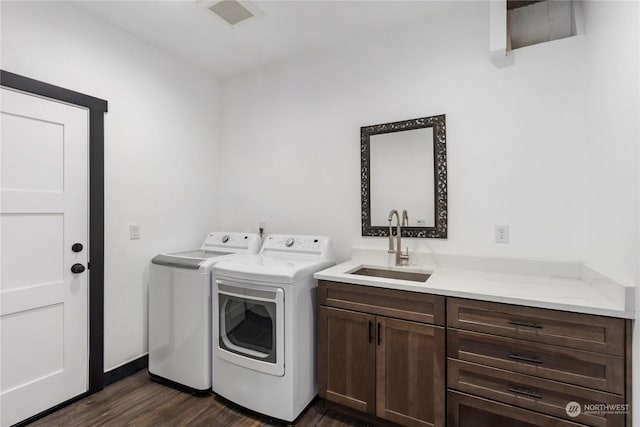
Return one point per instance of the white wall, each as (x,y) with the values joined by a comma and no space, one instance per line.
(613,138)
(548,145)
(161,137)
(515,135)
(525,142)
(611,33)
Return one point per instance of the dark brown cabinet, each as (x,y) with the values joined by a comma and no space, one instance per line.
(464,410)
(410,373)
(573,330)
(385,366)
(381,352)
(534,363)
(347,357)
(592,370)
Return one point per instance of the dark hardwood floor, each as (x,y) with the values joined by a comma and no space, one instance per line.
(138,401)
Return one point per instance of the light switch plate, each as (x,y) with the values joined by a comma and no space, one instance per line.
(134,231)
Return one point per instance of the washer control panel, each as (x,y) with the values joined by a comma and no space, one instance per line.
(317,245)
(232,241)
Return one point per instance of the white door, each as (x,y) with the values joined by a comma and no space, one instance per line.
(43,212)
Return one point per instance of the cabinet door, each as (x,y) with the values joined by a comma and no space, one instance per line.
(464,410)
(346,358)
(410,370)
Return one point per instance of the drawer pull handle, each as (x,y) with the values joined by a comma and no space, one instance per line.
(528,325)
(525,392)
(525,359)
(370,331)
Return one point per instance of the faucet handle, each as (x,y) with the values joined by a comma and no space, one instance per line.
(404,256)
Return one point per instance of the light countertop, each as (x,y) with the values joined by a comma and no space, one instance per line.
(559,286)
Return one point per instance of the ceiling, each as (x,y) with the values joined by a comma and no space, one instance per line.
(286,29)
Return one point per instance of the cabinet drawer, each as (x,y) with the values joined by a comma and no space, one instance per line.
(406,305)
(594,370)
(537,394)
(464,410)
(580,331)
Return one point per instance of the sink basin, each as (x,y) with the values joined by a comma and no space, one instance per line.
(392,274)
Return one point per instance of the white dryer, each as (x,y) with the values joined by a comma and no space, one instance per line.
(264,329)
(180,309)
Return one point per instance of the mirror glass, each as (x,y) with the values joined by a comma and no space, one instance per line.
(403,166)
(399,178)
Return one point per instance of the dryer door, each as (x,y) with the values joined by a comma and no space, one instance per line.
(251,326)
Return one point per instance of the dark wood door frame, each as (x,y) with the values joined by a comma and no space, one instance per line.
(97,108)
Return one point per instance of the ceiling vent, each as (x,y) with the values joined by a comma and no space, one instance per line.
(233,12)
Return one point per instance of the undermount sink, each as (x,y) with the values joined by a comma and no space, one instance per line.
(392,274)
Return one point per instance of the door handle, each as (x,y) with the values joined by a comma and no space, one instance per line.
(370,331)
(77,247)
(379,328)
(77,268)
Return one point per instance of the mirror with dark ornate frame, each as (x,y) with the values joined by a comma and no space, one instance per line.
(404,166)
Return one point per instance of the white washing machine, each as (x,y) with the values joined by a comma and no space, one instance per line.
(180,309)
(264,329)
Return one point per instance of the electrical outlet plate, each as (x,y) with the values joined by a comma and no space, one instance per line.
(502,234)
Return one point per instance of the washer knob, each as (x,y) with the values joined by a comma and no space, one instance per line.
(289,242)
(225,238)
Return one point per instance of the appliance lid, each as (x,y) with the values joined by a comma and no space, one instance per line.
(200,254)
(272,268)
(187,259)
(218,244)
